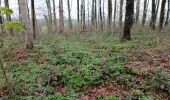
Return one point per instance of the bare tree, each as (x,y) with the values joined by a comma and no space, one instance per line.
(146,2)
(54,17)
(78,15)
(109,16)
(121,13)
(61,17)
(94,15)
(33,18)
(128,19)
(137,10)
(8,17)
(26,23)
(69,15)
(115,9)
(100,15)
(168,11)
(153,17)
(83,23)
(50,25)
(162,15)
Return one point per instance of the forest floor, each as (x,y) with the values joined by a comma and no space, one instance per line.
(89,67)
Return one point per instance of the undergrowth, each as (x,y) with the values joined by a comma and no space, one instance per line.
(77,63)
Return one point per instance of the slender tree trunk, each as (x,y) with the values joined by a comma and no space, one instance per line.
(144,12)
(27,24)
(168,12)
(88,13)
(49,17)
(162,15)
(54,18)
(153,19)
(94,15)
(8,17)
(103,14)
(100,15)
(128,19)
(1,20)
(115,9)
(61,17)
(33,18)
(137,10)
(69,15)
(109,16)
(78,15)
(82,15)
(157,7)
(121,13)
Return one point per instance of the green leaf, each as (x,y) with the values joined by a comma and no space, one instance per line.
(5,10)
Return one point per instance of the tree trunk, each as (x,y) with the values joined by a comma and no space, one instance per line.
(94,15)
(115,9)
(33,18)
(88,13)
(100,15)
(8,17)
(162,15)
(27,24)
(109,16)
(128,19)
(168,11)
(69,15)
(157,7)
(121,13)
(50,25)
(146,2)
(82,15)
(61,17)
(153,17)
(54,18)
(1,21)
(103,14)
(137,10)
(78,15)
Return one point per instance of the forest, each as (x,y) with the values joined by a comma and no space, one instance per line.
(84,50)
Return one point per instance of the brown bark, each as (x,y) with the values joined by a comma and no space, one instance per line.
(109,16)
(153,17)
(128,19)
(162,15)
(27,24)
(61,17)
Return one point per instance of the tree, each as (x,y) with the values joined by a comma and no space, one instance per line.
(33,18)
(137,10)
(168,11)
(157,3)
(78,15)
(54,18)
(162,15)
(115,9)
(8,17)
(109,16)
(61,17)
(121,13)
(146,2)
(100,15)
(153,16)
(26,23)
(94,15)
(50,25)
(1,21)
(83,23)
(128,19)
(69,15)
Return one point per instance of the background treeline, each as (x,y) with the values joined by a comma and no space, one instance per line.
(93,16)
